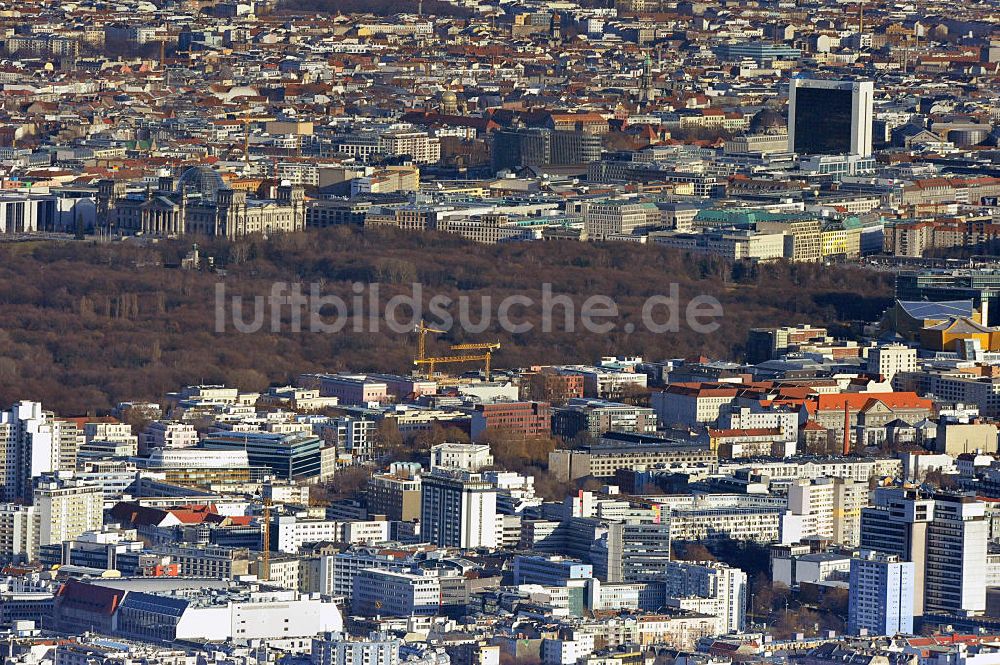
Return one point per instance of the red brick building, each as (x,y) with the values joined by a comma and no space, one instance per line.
(525,418)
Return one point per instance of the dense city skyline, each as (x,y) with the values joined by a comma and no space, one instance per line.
(496,332)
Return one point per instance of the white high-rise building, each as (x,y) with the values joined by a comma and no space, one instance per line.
(849,498)
(946,539)
(725,585)
(954,578)
(830,117)
(897,523)
(881,595)
(67,509)
(30,446)
(813,499)
(458,509)
(829,507)
(19,532)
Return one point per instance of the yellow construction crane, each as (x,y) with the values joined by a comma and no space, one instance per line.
(422,358)
(422,331)
(485,357)
(265,559)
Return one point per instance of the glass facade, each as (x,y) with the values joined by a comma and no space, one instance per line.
(822,121)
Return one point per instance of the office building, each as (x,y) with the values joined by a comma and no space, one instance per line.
(464,456)
(610,380)
(416,145)
(765,344)
(763,53)
(518,148)
(292,533)
(339,570)
(527,419)
(168,434)
(549,570)
(610,218)
(889,360)
(351,434)
(624,450)
(398,594)
(897,524)
(458,509)
(956,556)
(634,552)
(596,416)
(221,563)
(112,549)
(829,117)
(944,537)
(803,238)
(881,595)
(294,456)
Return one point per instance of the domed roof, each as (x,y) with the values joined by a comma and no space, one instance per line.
(202,179)
(767,120)
(449,96)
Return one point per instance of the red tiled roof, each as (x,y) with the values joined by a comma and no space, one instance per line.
(858,401)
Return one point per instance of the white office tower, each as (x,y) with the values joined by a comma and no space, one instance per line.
(30,446)
(725,585)
(954,581)
(458,509)
(945,537)
(830,117)
(881,595)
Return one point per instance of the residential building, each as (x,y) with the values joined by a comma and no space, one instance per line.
(881,595)
(897,523)
(724,585)
(30,444)
(20,531)
(338,649)
(67,509)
